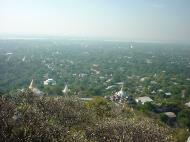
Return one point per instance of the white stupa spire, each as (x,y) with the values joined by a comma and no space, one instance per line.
(36,91)
(31,85)
(66,90)
(131,46)
(122,88)
(121,93)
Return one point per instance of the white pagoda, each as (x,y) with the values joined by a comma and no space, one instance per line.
(65,90)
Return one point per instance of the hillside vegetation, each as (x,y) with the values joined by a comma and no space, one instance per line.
(26,117)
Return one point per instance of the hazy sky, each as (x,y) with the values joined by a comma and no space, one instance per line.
(167,20)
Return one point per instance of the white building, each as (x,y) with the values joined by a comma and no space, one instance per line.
(187,104)
(143,100)
(170,114)
(49,82)
(168,94)
(110,87)
(9,53)
(143,79)
(160,90)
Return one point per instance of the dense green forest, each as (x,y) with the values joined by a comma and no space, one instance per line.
(86,65)
(94,69)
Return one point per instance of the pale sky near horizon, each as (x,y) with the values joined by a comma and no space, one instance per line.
(151,20)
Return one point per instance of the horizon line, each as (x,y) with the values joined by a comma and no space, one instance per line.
(68,37)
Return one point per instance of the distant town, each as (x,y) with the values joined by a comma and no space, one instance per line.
(151,78)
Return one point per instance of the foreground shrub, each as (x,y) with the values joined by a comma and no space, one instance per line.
(26,117)
(117,130)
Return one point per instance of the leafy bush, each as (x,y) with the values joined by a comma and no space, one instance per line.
(183,118)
